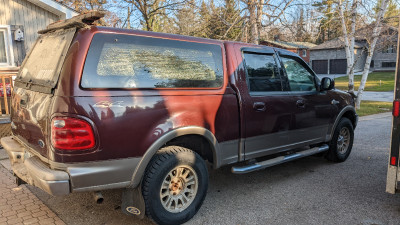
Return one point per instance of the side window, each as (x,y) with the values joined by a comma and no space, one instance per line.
(262,73)
(125,61)
(300,79)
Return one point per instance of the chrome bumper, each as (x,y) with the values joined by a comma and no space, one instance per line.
(33,171)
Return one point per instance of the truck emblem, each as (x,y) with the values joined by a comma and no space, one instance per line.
(133,210)
(107,104)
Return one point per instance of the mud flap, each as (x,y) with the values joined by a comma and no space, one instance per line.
(133,202)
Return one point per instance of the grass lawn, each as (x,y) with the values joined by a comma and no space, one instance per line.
(377,81)
(372,107)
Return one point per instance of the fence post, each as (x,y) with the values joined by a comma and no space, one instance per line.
(7,75)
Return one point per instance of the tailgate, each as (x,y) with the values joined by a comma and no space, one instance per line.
(34,87)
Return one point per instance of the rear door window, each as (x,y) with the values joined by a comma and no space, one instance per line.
(262,72)
(125,61)
(43,64)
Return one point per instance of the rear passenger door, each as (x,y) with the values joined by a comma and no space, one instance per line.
(312,109)
(267,119)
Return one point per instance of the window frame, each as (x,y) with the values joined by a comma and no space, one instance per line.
(305,65)
(8,46)
(389,49)
(388,63)
(278,66)
(304,52)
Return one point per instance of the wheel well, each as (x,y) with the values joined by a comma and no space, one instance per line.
(351,116)
(196,143)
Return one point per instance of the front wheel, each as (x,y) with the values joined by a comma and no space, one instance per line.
(175,185)
(342,141)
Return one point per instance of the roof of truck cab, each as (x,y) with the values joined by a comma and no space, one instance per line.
(102,29)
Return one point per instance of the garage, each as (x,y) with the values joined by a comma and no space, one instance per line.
(320,66)
(337,66)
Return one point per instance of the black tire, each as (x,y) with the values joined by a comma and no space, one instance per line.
(338,152)
(167,161)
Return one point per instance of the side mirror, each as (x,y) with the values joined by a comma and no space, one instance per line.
(327,84)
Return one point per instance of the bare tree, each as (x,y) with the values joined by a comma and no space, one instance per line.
(152,11)
(263,13)
(372,43)
(349,39)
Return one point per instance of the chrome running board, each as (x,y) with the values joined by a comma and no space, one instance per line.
(278,160)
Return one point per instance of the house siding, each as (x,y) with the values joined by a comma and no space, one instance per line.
(305,58)
(331,50)
(27,17)
(380,57)
(331,54)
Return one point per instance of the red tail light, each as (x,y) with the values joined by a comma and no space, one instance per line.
(393,161)
(396,108)
(71,134)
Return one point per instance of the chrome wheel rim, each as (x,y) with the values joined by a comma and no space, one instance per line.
(343,141)
(179,189)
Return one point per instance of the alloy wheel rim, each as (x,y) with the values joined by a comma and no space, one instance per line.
(343,141)
(179,189)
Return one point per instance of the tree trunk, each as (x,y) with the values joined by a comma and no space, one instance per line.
(348,49)
(352,40)
(375,35)
(244,33)
(252,5)
(128,19)
(260,6)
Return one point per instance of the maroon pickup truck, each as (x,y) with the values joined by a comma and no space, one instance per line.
(98,108)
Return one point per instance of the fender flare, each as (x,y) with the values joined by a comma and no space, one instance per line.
(151,151)
(340,115)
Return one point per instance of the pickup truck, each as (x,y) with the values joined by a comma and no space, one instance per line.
(98,108)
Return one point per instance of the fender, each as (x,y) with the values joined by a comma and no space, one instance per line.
(339,116)
(141,167)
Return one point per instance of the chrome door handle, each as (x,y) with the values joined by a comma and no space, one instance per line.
(300,104)
(259,106)
(334,102)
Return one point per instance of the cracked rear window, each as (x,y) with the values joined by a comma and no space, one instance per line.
(44,62)
(125,61)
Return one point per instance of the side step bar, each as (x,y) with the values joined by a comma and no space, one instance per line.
(278,160)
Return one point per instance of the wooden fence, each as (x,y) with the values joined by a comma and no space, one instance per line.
(6,88)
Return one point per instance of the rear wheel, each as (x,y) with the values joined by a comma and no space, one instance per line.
(175,185)
(342,141)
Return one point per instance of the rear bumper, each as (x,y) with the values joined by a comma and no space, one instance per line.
(33,171)
(64,178)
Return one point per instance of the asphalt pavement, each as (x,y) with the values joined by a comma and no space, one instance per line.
(383,96)
(307,191)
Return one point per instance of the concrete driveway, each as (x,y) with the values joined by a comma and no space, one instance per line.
(307,191)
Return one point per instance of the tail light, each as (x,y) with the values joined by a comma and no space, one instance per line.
(393,161)
(71,134)
(396,108)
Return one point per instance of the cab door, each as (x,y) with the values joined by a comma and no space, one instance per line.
(313,110)
(267,120)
